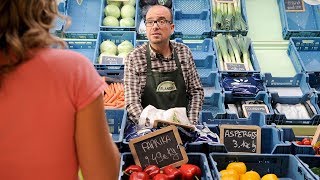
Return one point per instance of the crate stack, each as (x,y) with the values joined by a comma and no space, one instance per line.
(284,53)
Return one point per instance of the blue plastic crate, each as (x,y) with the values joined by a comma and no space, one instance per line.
(253,58)
(305,52)
(289,136)
(234,32)
(117,37)
(114,74)
(288,87)
(62,6)
(116,120)
(270,141)
(212,106)
(257,119)
(281,119)
(83,46)
(192,25)
(85,19)
(198,159)
(309,161)
(285,166)
(203,54)
(300,24)
(191,6)
(261,96)
(115,28)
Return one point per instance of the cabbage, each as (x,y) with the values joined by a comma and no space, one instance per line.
(105,54)
(127,22)
(110,21)
(112,10)
(116,3)
(130,2)
(123,54)
(108,47)
(128,11)
(125,47)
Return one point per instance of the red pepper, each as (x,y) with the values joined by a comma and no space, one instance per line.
(139,176)
(132,168)
(172,172)
(190,171)
(161,177)
(152,170)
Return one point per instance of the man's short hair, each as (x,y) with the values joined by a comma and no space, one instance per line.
(171,14)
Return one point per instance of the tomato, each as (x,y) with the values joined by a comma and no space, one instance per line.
(305,139)
(307,142)
(299,142)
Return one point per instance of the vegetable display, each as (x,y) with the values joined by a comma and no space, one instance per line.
(185,172)
(114,96)
(109,48)
(228,16)
(120,14)
(233,50)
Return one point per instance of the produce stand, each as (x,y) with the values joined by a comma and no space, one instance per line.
(284,52)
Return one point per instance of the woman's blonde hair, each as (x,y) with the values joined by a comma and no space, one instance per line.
(25,25)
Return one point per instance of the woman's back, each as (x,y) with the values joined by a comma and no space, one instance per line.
(38,105)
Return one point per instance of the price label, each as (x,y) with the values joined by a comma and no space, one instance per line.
(235,67)
(162,148)
(294,5)
(112,60)
(240,138)
(249,108)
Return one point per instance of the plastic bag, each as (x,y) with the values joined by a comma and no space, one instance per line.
(150,114)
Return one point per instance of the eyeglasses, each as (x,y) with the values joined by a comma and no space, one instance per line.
(160,22)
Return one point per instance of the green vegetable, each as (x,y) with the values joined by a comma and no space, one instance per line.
(233,50)
(127,22)
(116,3)
(128,11)
(316,170)
(130,2)
(112,10)
(125,47)
(110,21)
(108,47)
(228,16)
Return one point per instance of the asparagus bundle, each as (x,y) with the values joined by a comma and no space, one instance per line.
(227,16)
(233,50)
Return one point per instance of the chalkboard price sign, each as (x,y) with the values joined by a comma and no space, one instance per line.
(240,138)
(249,108)
(162,147)
(235,67)
(112,60)
(294,5)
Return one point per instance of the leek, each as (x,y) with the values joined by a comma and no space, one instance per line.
(235,48)
(223,47)
(244,44)
(219,56)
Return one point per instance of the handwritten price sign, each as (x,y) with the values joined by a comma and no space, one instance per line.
(161,148)
(238,138)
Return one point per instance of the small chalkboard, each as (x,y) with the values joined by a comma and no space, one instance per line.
(316,136)
(240,138)
(294,5)
(162,148)
(235,67)
(111,60)
(161,124)
(249,108)
(225,1)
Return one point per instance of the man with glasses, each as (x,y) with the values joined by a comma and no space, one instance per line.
(161,73)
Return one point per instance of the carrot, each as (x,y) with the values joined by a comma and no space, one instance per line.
(108,107)
(120,105)
(114,96)
(110,104)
